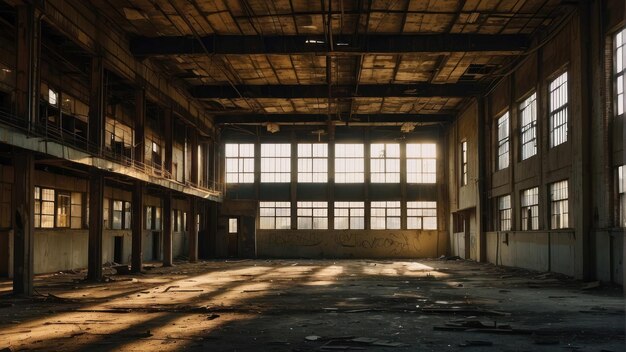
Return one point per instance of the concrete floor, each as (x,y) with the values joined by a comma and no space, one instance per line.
(275,305)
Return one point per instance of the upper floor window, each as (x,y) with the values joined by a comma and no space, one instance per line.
(621,179)
(558,110)
(385,215)
(275,162)
(504,213)
(274,215)
(349,163)
(349,215)
(530,209)
(313,162)
(620,69)
(239,163)
(503,141)
(421,163)
(44,207)
(421,215)
(385,163)
(559,207)
(313,215)
(53,97)
(121,215)
(528,130)
(463,163)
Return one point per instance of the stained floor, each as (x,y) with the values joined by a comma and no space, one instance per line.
(315,305)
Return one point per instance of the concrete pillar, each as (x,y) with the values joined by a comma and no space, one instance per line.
(168,136)
(293,187)
(193,142)
(481,209)
(97,106)
(367,180)
(167,230)
(27,63)
(23,202)
(330,186)
(137,227)
(96,199)
(193,230)
(140,125)
(403,191)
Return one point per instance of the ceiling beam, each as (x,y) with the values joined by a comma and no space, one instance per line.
(311,118)
(502,44)
(321,91)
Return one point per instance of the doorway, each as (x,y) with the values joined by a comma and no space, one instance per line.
(118,246)
(156,245)
(233,237)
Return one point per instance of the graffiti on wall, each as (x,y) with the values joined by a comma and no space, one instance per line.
(393,243)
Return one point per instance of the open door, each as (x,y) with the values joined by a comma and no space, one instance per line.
(118,249)
(233,237)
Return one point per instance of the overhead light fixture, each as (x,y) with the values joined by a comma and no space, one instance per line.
(342,44)
(314,41)
(272,127)
(407,127)
(309,26)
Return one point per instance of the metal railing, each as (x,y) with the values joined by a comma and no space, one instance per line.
(78,142)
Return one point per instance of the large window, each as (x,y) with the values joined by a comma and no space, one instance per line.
(421,215)
(385,215)
(528,130)
(385,163)
(275,163)
(239,163)
(620,69)
(44,208)
(153,218)
(313,215)
(349,163)
(504,213)
(76,210)
(503,141)
(463,163)
(121,215)
(349,215)
(421,163)
(558,110)
(63,209)
(559,207)
(621,178)
(530,209)
(313,162)
(274,215)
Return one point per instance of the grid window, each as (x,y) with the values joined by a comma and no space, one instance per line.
(349,216)
(313,163)
(64,203)
(106,220)
(385,215)
(530,209)
(503,141)
(232,225)
(559,207)
(127,212)
(385,163)
(349,163)
(118,206)
(621,178)
(421,163)
(149,218)
(276,163)
(558,110)
(463,163)
(239,163)
(275,215)
(76,210)
(44,208)
(528,130)
(504,213)
(421,215)
(620,70)
(313,215)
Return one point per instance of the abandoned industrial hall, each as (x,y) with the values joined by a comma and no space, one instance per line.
(312,175)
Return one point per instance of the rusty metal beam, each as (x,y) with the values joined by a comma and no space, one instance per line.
(503,44)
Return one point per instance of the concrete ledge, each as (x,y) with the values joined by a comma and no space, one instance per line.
(350,243)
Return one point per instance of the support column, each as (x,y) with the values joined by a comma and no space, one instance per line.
(96,200)
(140,125)
(194,156)
(168,136)
(330,185)
(403,191)
(367,181)
(97,106)
(481,213)
(27,63)
(23,200)
(193,230)
(137,227)
(167,230)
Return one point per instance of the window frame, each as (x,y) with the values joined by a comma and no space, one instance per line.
(503,149)
(389,211)
(464,163)
(505,213)
(619,48)
(381,167)
(530,102)
(561,109)
(534,208)
(244,168)
(420,212)
(309,161)
(312,211)
(284,218)
(420,161)
(272,166)
(342,162)
(352,211)
(39,207)
(621,196)
(559,218)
